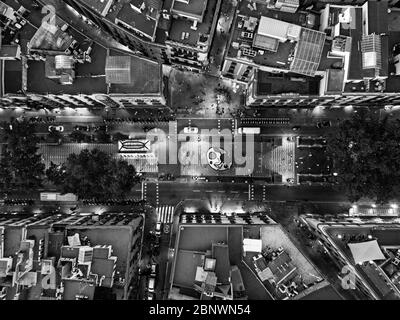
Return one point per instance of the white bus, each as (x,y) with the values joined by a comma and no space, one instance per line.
(249,130)
(56,196)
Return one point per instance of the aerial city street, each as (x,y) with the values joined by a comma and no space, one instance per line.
(199,150)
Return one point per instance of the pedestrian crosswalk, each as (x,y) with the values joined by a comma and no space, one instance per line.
(264,121)
(264,196)
(165,214)
(251,192)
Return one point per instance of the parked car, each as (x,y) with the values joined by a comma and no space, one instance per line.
(56,128)
(190,130)
(200,179)
(327,123)
(323,124)
(82,128)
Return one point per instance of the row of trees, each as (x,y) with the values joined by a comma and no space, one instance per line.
(366,157)
(21,167)
(90,174)
(94,174)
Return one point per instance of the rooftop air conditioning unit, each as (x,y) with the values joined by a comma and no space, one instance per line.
(85,254)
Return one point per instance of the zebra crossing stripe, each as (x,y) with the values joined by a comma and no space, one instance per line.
(165,214)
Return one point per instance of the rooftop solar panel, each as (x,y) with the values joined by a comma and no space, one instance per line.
(308,52)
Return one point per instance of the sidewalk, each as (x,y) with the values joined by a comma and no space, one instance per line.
(309,116)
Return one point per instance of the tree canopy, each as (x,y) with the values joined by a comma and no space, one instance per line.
(366,157)
(94,174)
(20,166)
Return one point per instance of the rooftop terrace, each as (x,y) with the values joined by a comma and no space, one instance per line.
(300,51)
(370,272)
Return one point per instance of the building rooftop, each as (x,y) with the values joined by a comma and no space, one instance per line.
(99,6)
(141,21)
(132,74)
(272,84)
(220,252)
(197,244)
(108,72)
(192,9)
(377,16)
(79,247)
(276,39)
(197,34)
(371,272)
(225,243)
(89,77)
(51,38)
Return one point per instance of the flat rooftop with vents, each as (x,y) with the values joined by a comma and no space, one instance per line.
(138,16)
(191,30)
(192,9)
(132,74)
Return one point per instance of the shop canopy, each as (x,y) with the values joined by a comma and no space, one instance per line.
(366,251)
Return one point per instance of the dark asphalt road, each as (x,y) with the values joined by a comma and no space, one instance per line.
(172,193)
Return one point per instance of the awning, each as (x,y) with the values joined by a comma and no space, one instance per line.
(252,245)
(366,251)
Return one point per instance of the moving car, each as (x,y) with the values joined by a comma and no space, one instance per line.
(295,128)
(153,269)
(56,128)
(150,296)
(190,130)
(151,284)
(166,229)
(158,228)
